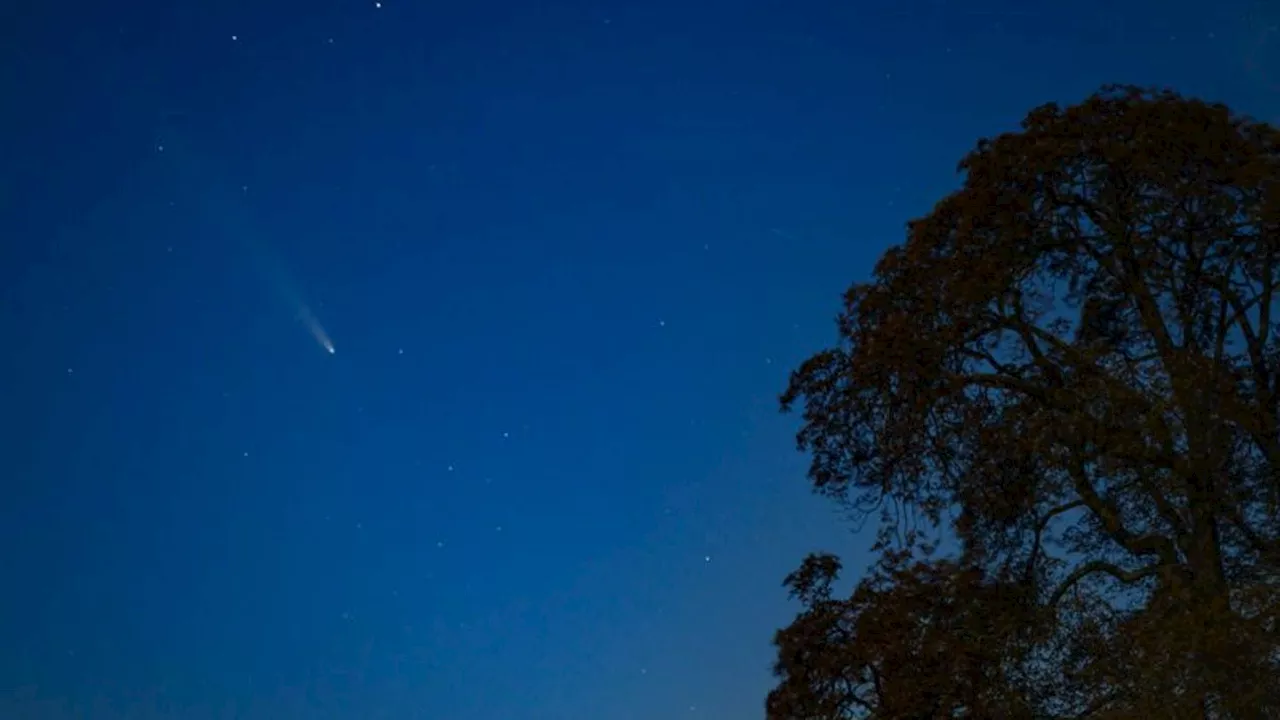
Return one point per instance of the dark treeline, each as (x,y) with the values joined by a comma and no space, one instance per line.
(1067,375)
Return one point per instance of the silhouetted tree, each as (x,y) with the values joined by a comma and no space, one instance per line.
(1069,371)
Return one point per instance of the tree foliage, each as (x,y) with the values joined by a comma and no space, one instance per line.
(1071,368)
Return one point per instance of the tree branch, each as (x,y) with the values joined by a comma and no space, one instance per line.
(1099,566)
(1269,549)
(1041,525)
(1106,512)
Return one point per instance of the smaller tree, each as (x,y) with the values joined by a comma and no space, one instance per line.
(917,639)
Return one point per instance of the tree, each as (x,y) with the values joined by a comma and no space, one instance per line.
(1070,369)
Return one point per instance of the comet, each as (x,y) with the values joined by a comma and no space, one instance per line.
(313,326)
(229,214)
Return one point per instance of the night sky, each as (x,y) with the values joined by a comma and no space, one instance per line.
(566,254)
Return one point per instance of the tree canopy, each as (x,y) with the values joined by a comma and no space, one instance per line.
(1069,373)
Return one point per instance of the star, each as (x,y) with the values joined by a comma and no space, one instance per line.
(235,37)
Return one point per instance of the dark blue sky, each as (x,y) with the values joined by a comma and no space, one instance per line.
(567,253)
